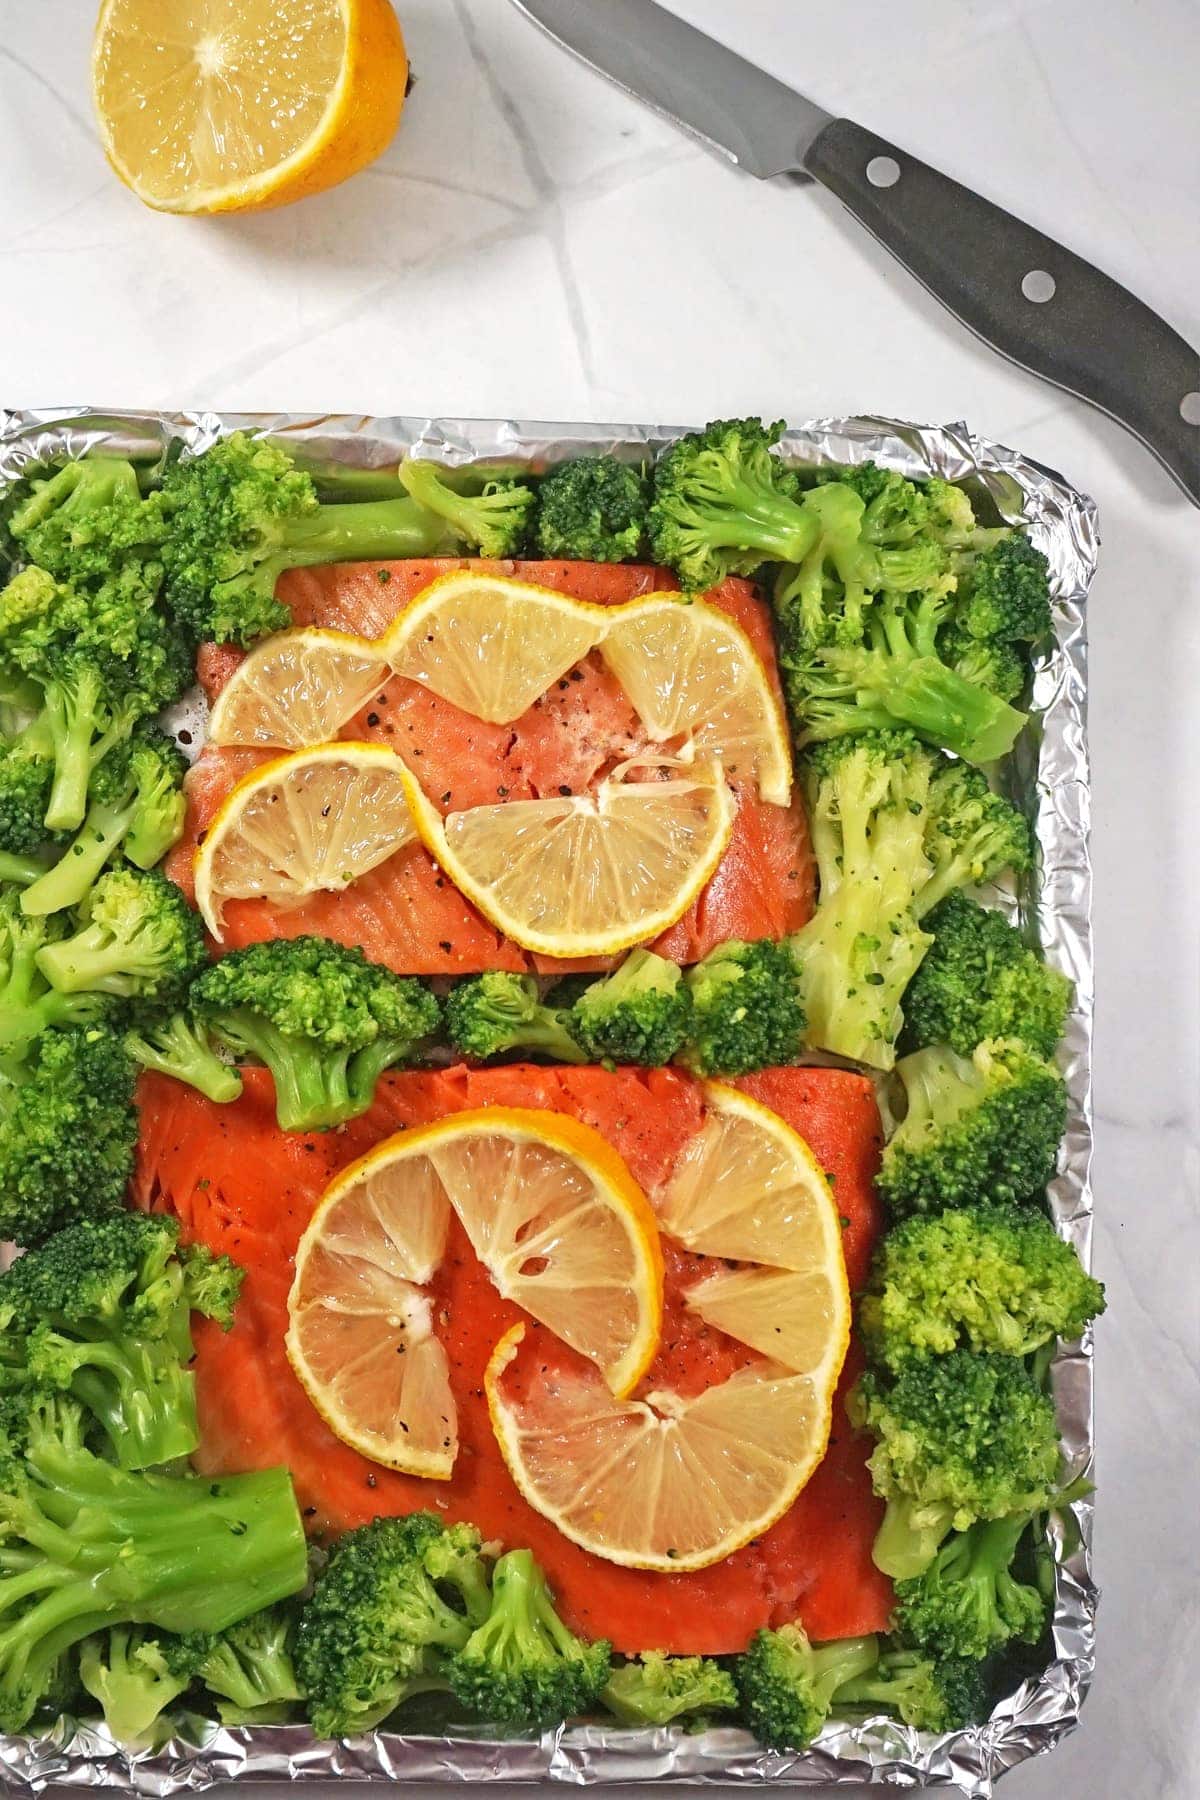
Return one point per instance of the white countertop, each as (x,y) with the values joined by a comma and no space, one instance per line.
(535,244)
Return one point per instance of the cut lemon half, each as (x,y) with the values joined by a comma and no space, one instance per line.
(236,105)
(582,876)
(315,820)
(554,1216)
(691,672)
(665,1482)
(491,646)
(295,689)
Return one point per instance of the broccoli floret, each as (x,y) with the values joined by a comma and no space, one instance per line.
(788,1686)
(242,512)
(137,808)
(494,1013)
(522,1669)
(88,523)
(323,1019)
(493,522)
(1001,668)
(102,1311)
(931,1694)
(638,1014)
(980,979)
(140,940)
(1006,593)
(968,1602)
(959,1438)
(178,1045)
(90,1545)
(988,1277)
(26,776)
(28,1004)
(592,509)
(249,1667)
(126,1670)
(972,834)
(382,1618)
(746,1010)
(984,1129)
(67,1133)
(654,1689)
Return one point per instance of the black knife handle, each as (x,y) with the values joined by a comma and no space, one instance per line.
(1092,336)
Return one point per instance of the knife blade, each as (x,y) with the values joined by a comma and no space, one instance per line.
(1028,297)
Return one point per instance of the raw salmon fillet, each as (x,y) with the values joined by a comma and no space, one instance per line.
(409,916)
(239,1185)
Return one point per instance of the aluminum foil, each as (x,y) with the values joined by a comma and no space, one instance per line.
(1049,776)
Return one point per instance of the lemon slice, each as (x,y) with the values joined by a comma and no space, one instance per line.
(491,646)
(666,1482)
(317,819)
(296,688)
(554,1216)
(212,106)
(691,672)
(577,876)
(748,1188)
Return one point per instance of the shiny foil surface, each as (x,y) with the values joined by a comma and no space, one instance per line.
(1048,774)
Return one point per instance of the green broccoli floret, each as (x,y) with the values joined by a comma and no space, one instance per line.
(746,1010)
(89,1545)
(1005,593)
(139,940)
(88,523)
(971,836)
(103,1311)
(993,1276)
(980,979)
(28,1004)
(959,1438)
(1001,668)
(242,512)
(941,1693)
(178,1045)
(522,1669)
(654,1689)
(126,1670)
(968,1602)
(137,808)
(67,1132)
(788,1686)
(639,1014)
(382,1619)
(495,1013)
(26,777)
(984,1129)
(592,509)
(494,522)
(249,1666)
(323,1019)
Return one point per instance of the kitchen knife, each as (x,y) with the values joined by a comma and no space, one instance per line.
(1029,298)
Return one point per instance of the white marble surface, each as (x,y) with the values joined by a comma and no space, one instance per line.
(533,243)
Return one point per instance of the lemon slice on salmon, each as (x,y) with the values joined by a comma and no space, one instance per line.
(216,106)
(691,672)
(489,645)
(296,688)
(576,875)
(666,1482)
(554,1216)
(315,820)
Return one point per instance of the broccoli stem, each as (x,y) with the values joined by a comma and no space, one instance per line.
(144,1402)
(68,881)
(22,871)
(921,691)
(360,531)
(71,710)
(176,1048)
(312,1084)
(907,1541)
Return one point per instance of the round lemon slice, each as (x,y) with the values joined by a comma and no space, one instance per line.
(577,876)
(216,106)
(554,1216)
(295,689)
(489,645)
(749,1189)
(665,1482)
(691,672)
(316,819)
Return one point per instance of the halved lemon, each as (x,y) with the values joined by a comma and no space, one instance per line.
(580,876)
(236,105)
(691,672)
(554,1216)
(489,645)
(315,820)
(665,1482)
(296,688)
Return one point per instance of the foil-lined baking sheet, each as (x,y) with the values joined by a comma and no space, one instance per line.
(1048,774)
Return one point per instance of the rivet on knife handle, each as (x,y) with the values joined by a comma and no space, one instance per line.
(1034,301)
